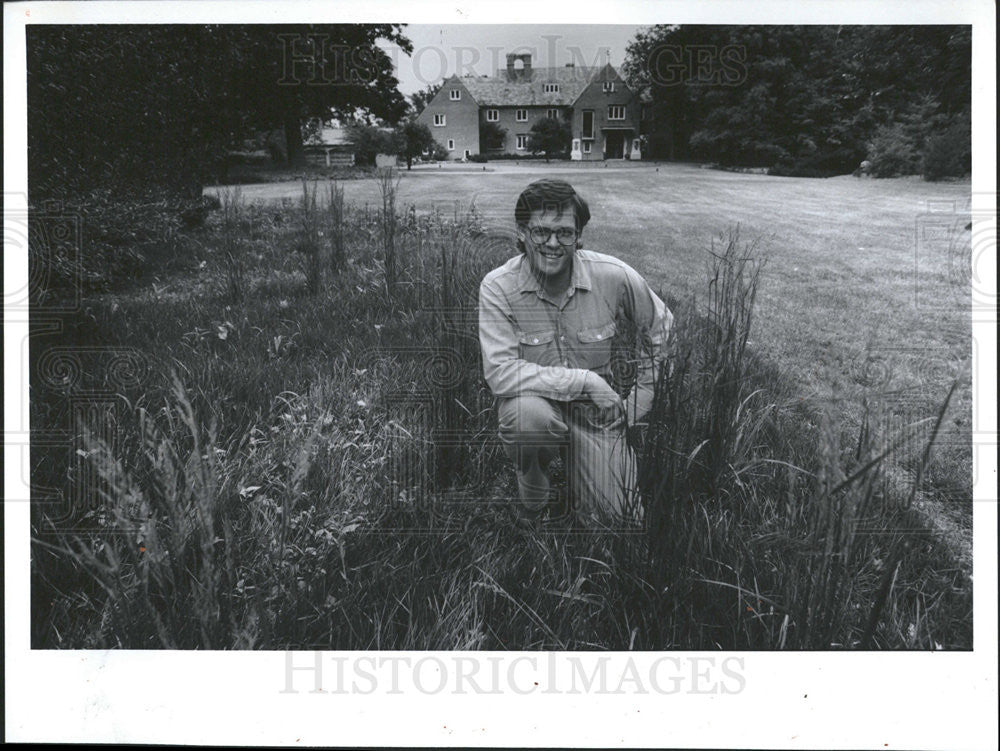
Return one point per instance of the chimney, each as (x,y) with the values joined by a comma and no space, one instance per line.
(512,73)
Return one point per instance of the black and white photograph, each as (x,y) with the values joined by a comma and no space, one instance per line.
(614,360)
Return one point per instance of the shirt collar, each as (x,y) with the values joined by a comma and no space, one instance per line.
(527,282)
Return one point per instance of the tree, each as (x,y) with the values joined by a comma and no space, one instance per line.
(797,99)
(414,139)
(289,73)
(491,135)
(127,107)
(420,99)
(551,135)
(371,140)
(123,108)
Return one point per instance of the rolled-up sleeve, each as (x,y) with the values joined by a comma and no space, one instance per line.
(506,373)
(653,322)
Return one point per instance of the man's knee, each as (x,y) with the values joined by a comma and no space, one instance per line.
(530,419)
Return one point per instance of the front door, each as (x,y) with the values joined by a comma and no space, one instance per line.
(614,144)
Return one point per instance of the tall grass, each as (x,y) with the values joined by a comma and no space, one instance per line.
(310,243)
(233,245)
(762,542)
(335,226)
(328,475)
(388,184)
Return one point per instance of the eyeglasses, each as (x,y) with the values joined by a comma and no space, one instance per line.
(541,235)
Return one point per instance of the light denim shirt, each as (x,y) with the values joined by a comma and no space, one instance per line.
(534,345)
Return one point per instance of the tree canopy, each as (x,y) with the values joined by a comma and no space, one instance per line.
(414,139)
(420,99)
(121,106)
(551,135)
(806,99)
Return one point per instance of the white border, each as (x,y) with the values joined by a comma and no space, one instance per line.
(831,700)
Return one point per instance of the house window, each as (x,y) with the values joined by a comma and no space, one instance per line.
(586,147)
(455,95)
(521,116)
(551,88)
(616,112)
(609,87)
(522,141)
(588,123)
(439,120)
(492,116)
(451,144)
(553,114)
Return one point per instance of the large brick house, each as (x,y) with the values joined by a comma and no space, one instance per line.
(602,111)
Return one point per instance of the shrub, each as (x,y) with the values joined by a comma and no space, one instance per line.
(516,157)
(478,158)
(552,136)
(369,141)
(949,153)
(898,147)
(103,239)
(492,135)
(440,153)
(893,152)
(841,161)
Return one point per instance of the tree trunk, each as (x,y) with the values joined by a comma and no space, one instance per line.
(293,139)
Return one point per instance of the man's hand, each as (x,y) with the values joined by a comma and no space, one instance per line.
(610,408)
(597,390)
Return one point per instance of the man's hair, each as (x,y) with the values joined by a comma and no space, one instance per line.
(550,194)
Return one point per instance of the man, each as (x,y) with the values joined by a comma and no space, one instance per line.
(547,320)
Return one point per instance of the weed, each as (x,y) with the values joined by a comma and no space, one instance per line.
(327,474)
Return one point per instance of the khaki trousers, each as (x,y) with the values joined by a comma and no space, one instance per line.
(600,466)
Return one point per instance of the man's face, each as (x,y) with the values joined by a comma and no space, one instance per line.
(550,241)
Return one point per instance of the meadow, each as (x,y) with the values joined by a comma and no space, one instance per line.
(303,453)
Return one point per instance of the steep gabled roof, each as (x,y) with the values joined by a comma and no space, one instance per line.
(500,92)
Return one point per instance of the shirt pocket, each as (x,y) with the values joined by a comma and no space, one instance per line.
(538,347)
(594,345)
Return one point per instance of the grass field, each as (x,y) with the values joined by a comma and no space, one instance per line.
(276,469)
(865,292)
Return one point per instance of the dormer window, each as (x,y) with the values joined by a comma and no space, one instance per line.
(455,95)
(551,88)
(609,87)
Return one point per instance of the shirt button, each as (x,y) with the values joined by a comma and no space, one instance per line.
(534,341)
(562,338)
